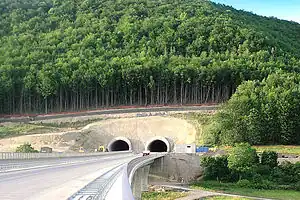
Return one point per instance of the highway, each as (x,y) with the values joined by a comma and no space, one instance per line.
(58,181)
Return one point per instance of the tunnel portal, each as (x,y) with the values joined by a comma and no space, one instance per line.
(119,144)
(157,146)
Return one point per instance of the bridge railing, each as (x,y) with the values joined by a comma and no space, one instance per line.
(27,156)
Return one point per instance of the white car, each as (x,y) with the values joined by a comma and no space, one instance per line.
(146,153)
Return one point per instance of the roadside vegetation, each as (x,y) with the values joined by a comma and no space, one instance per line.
(26,148)
(243,172)
(232,188)
(163,195)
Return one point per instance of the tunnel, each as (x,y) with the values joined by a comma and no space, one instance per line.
(119,144)
(158,144)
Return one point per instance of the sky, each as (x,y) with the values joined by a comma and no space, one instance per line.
(281,9)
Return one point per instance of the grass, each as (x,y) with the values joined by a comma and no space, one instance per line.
(162,195)
(232,188)
(224,198)
(279,149)
(75,124)
(284,149)
(17,129)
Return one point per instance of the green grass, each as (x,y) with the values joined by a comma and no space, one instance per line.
(232,188)
(284,149)
(17,129)
(224,198)
(162,195)
(76,124)
(279,149)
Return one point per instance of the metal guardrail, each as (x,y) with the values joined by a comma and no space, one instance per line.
(21,164)
(26,156)
(98,189)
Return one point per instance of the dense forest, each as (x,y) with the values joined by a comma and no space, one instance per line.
(261,112)
(74,55)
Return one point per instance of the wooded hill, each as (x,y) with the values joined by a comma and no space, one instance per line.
(71,55)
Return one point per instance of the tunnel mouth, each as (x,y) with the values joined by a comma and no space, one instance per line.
(119,144)
(157,146)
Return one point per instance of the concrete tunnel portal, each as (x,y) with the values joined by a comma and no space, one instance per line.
(158,144)
(119,144)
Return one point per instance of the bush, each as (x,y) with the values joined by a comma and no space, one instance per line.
(269,158)
(265,184)
(243,159)
(26,148)
(215,168)
(263,170)
(244,183)
(297,186)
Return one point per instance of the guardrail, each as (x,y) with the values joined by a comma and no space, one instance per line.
(139,162)
(27,156)
(98,189)
(21,164)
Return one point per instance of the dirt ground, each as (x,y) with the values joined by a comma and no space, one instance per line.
(137,129)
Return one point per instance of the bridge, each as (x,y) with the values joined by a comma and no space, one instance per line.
(110,175)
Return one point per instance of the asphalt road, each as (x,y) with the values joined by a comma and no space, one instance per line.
(55,182)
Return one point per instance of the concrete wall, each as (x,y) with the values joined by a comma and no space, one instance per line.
(175,168)
(185,148)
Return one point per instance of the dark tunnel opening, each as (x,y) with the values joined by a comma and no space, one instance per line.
(157,146)
(119,145)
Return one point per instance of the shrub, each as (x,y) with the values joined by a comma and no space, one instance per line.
(215,168)
(263,170)
(26,148)
(297,186)
(242,159)
(269,158)
(265,184)
(244,183)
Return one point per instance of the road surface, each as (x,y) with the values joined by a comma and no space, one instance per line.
(55,182)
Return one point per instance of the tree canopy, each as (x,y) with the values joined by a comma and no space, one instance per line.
(262,112)
(72,55)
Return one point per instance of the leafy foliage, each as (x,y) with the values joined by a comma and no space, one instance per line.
(243,163)
(242,159)
(269,158)
(71,55)
(215,167)
(26,148)
(263,112)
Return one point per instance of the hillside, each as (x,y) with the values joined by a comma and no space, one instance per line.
(72,55)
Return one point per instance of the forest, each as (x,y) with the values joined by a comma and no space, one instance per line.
(77,55)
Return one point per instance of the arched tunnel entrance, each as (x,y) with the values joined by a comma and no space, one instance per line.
(119,144)
(158,144)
